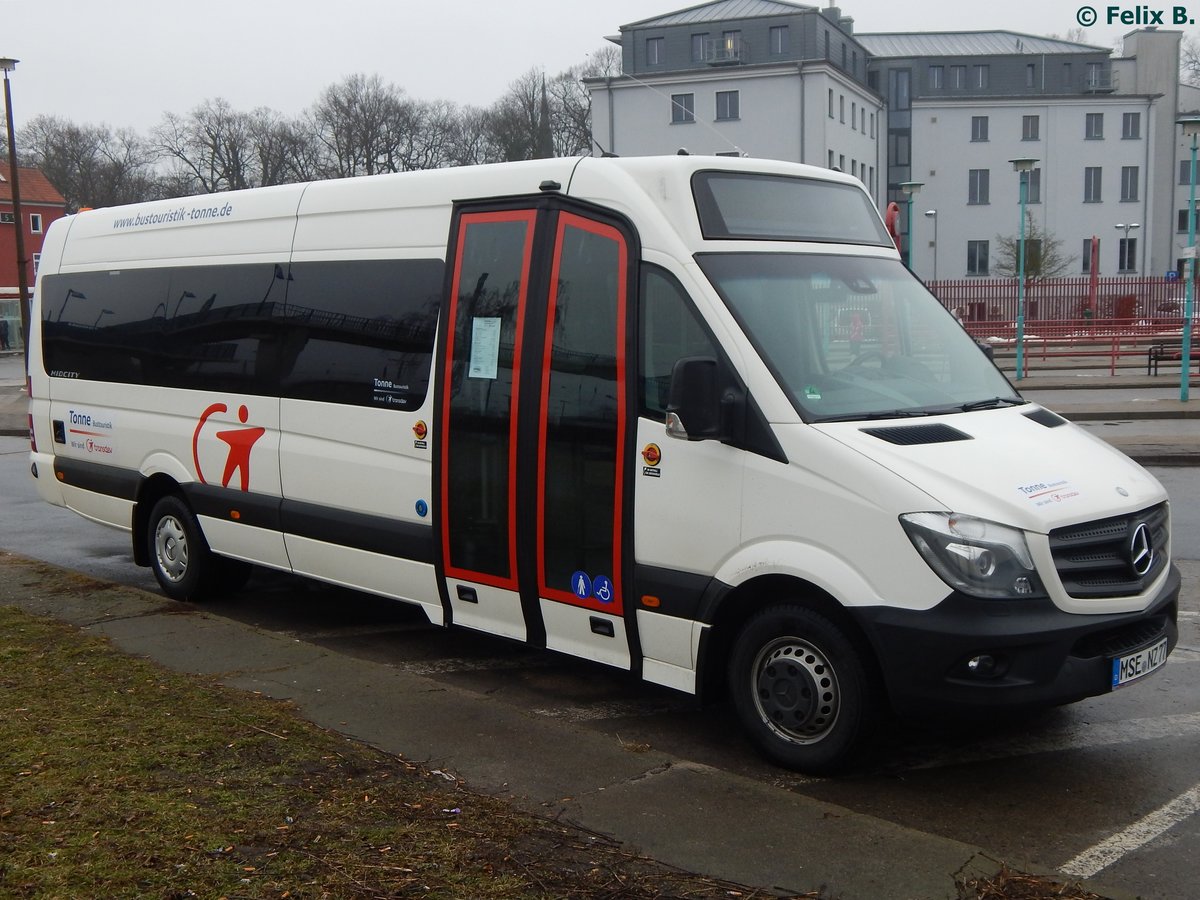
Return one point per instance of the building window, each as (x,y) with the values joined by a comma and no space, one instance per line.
(977,257)
(731,42)
(1066,74)
(1185,171)
(977,186)
(1093,128)
(979,128)
(37,261)
(35,223)
(698,42)
(1129,183)
(979,76)
(828,55)
(1030,74)
(899,84)
(1086,255)
(1127,255)
(842,107)
(683,107)
(728,105)
(1033,186)
(958,77)
(1031,128)
(853,62)
(831,103)
(937,77)
(654,51)
(778,39)
(872,125)
(854,167)
(853,116)
(1182,222)
(831,159)
(841,166)
(843,56)
(1131,126)
(1091,184)
(862,120)
(900,147)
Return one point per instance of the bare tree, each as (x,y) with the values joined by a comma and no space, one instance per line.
(1044,254)
(212,148)
(361,125)
(90,165)
(1189,60)
(571,102)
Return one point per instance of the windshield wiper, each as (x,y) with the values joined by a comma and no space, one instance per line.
(872,416)
(992,403)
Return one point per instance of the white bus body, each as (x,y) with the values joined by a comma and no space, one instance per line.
(685,416)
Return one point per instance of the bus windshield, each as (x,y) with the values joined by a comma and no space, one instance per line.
(852,338)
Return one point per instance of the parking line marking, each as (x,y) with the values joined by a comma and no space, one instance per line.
(1101,856)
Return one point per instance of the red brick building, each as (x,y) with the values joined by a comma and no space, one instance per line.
(41,204)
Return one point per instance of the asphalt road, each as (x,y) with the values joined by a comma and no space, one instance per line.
(1108,788)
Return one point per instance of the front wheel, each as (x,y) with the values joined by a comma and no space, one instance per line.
(801,689)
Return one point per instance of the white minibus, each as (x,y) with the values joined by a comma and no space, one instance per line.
(690,417)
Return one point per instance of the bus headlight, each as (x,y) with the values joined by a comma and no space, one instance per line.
(977,557)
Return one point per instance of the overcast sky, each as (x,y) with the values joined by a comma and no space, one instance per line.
(126,62)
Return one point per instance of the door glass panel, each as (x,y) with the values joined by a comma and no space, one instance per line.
(583,417)
(483,362)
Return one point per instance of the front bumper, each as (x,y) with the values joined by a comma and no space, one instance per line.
(1042,656)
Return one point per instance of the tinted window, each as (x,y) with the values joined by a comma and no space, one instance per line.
(360,332)
(778,207)
(670,331)
(348,332)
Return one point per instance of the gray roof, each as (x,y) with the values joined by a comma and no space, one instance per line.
(967,43)
(723,10)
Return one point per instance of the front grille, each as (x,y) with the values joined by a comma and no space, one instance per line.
(1122,640)
(1107,558)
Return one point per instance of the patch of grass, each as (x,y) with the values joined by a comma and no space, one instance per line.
(123,779)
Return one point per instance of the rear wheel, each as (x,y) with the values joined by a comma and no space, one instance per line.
(183,564)
(801,689)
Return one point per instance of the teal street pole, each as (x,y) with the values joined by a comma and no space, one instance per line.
(910,188)
(1191,126)
(1023,166)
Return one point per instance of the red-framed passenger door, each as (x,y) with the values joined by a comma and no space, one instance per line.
(533,445)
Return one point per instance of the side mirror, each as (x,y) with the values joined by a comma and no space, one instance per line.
(694,404)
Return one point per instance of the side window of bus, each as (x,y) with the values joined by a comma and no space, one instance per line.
(670,330)
(359,332)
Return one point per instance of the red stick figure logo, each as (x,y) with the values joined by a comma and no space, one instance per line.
(241,441)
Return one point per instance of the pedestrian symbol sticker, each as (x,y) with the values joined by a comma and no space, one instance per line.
(581,585)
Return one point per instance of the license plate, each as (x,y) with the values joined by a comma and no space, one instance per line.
(1132,667)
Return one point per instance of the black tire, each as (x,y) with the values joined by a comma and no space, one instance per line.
(179,555)
(801,689)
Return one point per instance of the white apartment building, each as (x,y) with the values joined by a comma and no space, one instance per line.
(772,78)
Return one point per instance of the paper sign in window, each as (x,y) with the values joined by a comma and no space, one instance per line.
(485,348)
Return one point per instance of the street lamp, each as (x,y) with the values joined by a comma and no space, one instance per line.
(1191,128)
(1022,166)
(909,189)
(7,65)
(932,214)
(1126,256)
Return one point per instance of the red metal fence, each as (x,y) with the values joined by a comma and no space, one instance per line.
(1130,300)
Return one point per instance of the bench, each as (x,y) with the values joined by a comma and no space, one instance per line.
(1168,351)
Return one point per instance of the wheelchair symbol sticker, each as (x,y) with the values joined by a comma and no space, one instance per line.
(581,585)
(602,589)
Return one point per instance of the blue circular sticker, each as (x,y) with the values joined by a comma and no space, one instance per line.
(602,589)
(581,585)
(422,508)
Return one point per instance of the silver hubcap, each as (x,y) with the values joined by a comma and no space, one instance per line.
(170,546)
(796,690)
